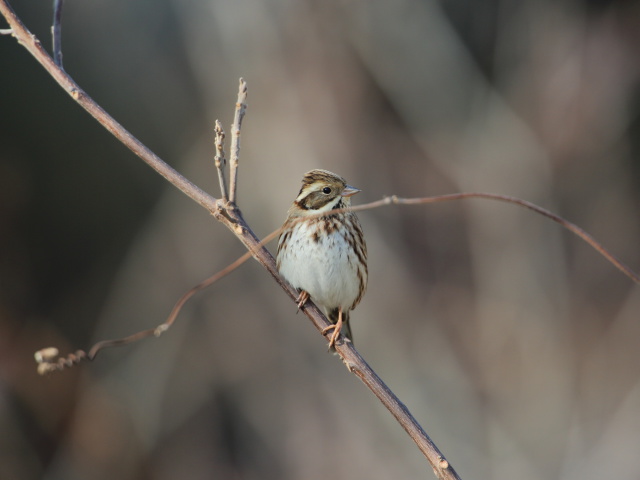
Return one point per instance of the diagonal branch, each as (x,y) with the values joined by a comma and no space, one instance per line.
(33,46)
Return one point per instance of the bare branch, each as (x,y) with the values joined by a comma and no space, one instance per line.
(49,356)
(220,160)
(573,228)
(6,31)
(357,365)
(33,45)
(241,107)
(56,32)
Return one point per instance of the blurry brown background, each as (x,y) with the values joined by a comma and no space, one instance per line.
(512,342)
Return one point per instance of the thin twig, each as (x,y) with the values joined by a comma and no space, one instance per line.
(56,32)
(592,242)
(241,107)
(46,355)
(6,31)
(220,160)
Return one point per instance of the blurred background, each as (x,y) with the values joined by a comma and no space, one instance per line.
(512,342)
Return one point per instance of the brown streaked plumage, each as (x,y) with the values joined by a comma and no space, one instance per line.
(324,256)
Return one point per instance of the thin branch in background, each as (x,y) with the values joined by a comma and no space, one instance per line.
(56,32)
(220,160)
(241,107)
(48,360)
(573,228)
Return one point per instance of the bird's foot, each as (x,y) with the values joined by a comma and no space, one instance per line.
(337,328)
(302,299)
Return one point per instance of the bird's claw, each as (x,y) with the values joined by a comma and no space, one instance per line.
(302,299)
(337,328)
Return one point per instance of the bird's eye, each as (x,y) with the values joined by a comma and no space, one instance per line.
(326,190)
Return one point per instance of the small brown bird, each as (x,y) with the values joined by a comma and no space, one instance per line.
(323,254)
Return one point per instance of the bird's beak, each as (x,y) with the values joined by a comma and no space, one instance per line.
(350,191)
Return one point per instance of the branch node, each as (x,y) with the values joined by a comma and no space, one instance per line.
(160,329)
(350,366)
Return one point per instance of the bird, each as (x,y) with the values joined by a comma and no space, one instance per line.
(322,251)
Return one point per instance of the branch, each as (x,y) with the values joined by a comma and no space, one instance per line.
(241,107)
(220,160)
(573,228)
(33,45)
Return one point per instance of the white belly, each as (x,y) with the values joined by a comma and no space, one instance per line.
(326,269)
